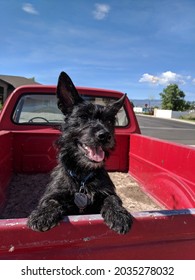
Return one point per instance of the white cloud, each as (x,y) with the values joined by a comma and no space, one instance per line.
(101,11)
(165,78)
(147,78)
(28,8)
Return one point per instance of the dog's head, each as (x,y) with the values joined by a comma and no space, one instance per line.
(88,130)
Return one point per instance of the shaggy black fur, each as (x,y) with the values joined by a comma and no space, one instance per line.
(80,184)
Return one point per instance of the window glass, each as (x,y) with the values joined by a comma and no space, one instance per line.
(37,108)
(42,109)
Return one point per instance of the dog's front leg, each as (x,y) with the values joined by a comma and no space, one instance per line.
(47,215)
(115,215)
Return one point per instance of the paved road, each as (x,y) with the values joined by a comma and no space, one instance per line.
(166,129)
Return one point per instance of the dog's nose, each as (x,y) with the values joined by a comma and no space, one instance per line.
(103,136)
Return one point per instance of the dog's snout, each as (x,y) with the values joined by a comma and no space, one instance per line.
(104,136)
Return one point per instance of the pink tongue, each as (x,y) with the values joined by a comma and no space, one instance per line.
(95,154)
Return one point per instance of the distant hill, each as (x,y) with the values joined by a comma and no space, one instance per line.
(142,102)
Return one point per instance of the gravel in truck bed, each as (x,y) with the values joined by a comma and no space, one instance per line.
(25,186)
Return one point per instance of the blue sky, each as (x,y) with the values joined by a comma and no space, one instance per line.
(135,46)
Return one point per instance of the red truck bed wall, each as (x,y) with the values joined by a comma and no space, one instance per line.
(165,170)
(5,162)
(154,236)
(34,151)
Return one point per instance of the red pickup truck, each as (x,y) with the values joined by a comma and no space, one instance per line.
(29,125)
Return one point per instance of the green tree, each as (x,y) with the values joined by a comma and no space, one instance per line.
(191,105)
(173,98)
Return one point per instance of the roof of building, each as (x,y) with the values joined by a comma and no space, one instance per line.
(17,81)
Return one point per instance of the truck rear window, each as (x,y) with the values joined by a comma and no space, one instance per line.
(42,109)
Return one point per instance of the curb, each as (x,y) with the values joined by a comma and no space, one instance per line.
(170,119)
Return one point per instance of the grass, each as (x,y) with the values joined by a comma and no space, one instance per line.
(189,117)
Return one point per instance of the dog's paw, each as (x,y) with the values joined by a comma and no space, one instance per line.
(39,221)
(119,221)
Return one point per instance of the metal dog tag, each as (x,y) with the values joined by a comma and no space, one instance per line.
(81,200)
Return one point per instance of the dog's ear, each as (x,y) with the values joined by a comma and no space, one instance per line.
(115,107)
(67,95)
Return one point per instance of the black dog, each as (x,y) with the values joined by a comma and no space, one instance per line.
(80,184)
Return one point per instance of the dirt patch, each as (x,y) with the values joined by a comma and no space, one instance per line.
(21,187)
(134,199)
(33,186)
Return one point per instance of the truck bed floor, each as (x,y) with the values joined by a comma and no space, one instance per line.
(25,191)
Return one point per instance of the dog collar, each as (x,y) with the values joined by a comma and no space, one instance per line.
(83,181)
(81,198)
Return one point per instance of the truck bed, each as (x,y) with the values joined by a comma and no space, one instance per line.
(33,186)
